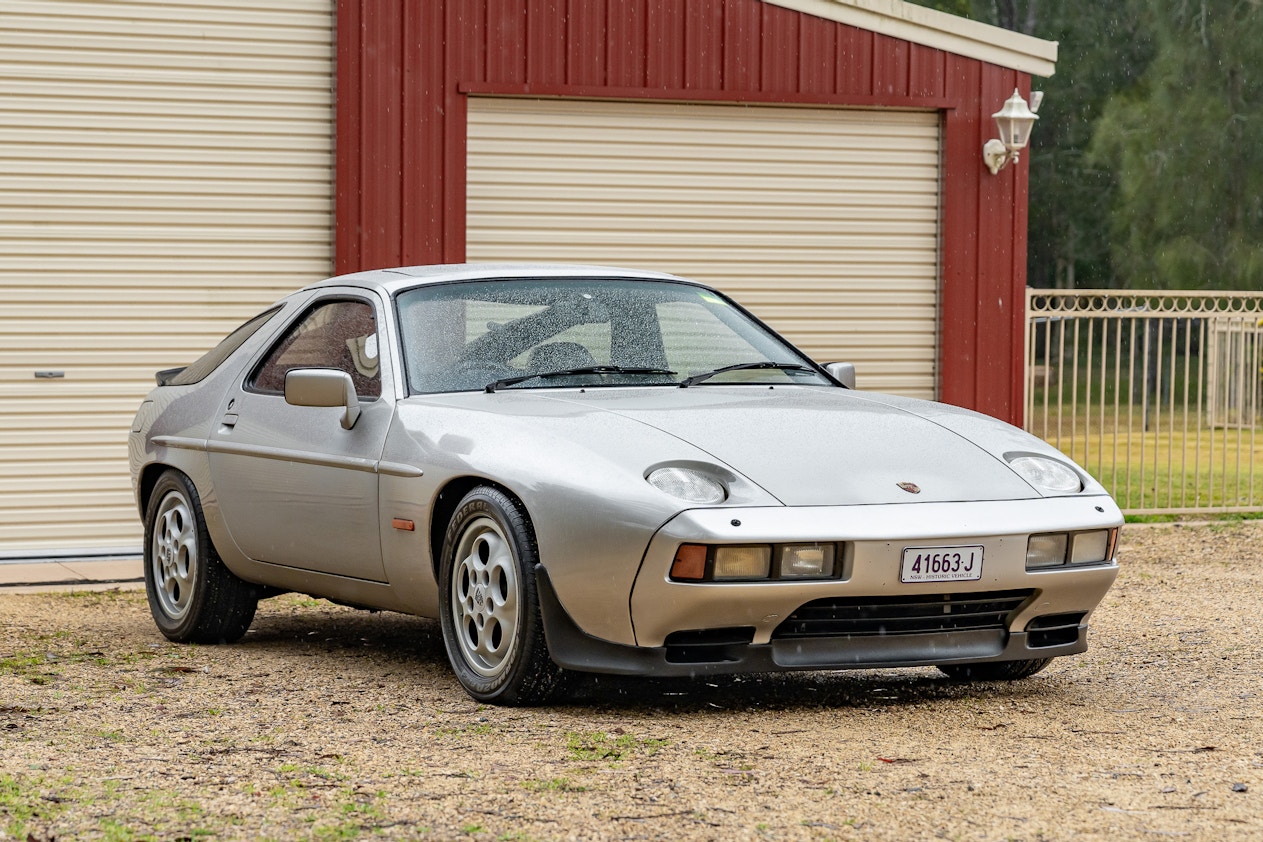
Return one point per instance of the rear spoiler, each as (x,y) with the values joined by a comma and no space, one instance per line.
(165,376)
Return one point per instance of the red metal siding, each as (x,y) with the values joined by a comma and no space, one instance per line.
(817,55)
(779,50)
(348,185)
(405,70)
(926,73)
(702,58)
(627,55)
(422,144)
(890,67)
(506,28)
(674,34)
(962,182)
(853,75)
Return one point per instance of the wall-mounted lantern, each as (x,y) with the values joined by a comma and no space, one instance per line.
(1015,121)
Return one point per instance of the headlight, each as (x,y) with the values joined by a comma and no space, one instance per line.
(742,562)
(687,484)
(1047,475)
(805,561)
(1058,549)
(757,562)
(1046,550)
(1092,547)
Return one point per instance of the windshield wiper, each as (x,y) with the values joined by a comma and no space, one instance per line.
(698,378)
(587,369)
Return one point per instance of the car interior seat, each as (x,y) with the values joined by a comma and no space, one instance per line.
(559,356)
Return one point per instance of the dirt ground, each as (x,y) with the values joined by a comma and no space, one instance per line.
(327,723)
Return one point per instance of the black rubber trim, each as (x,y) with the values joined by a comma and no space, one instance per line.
(573,649)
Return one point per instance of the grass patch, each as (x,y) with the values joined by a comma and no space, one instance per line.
(554,785)
(1212,517)
(17,805)
(1173,464)
(597,745)
(30,666)
(25,806)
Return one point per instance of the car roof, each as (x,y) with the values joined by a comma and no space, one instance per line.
(392,280)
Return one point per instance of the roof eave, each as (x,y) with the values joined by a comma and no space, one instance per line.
(939,30)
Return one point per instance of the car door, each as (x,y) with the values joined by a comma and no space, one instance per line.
(295,488)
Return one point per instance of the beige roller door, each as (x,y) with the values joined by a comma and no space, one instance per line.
(165,171)
(824,222)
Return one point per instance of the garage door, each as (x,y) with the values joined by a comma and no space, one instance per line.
(165,170)
(824,222)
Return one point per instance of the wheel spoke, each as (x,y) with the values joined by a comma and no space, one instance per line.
(484,595)
(174,555)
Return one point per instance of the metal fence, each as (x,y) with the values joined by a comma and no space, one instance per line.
(1156,393)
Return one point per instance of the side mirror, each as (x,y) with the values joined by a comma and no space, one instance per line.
(323,387)
(844,373)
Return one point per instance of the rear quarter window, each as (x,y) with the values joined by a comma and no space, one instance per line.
(211,360)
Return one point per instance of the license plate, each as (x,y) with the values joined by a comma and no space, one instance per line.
(941,564)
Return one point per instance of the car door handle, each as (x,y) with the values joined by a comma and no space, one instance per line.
(229,419)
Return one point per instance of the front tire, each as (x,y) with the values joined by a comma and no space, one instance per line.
(994,670)
(489,608)
(193,597)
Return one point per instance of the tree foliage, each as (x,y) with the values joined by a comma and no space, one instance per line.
(1102,50)
(1147,162)
(1187,150)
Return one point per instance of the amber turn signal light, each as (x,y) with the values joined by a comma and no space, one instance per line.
(689,563)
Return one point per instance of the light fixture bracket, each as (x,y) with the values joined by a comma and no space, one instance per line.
(1014,120)
(996,156)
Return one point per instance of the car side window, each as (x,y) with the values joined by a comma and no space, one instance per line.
(340,334)
(199,370)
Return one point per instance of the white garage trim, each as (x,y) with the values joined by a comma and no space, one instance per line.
(940,30)
(165,171)
(824,222)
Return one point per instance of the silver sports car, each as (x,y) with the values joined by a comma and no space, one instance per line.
(584,469)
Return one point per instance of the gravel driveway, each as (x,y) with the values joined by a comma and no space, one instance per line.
(328,723)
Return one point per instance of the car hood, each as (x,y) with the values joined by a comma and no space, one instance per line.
(820,446)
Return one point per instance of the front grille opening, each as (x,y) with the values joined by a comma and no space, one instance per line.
(708,646)
(1054,629)
(898,615)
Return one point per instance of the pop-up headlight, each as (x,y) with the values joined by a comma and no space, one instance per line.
(688,485)
(1047,475)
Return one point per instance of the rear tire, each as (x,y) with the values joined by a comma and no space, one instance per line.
(489,607)
(193,597)
(994,670)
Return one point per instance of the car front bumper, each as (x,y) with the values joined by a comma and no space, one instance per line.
(868,617)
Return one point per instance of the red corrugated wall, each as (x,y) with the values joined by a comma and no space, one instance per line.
(406,67)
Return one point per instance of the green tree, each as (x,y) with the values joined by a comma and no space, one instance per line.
(1187,150)
(1104,48)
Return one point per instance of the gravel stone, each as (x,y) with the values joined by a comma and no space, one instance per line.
(331,723)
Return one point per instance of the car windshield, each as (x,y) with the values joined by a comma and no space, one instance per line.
(550,333)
